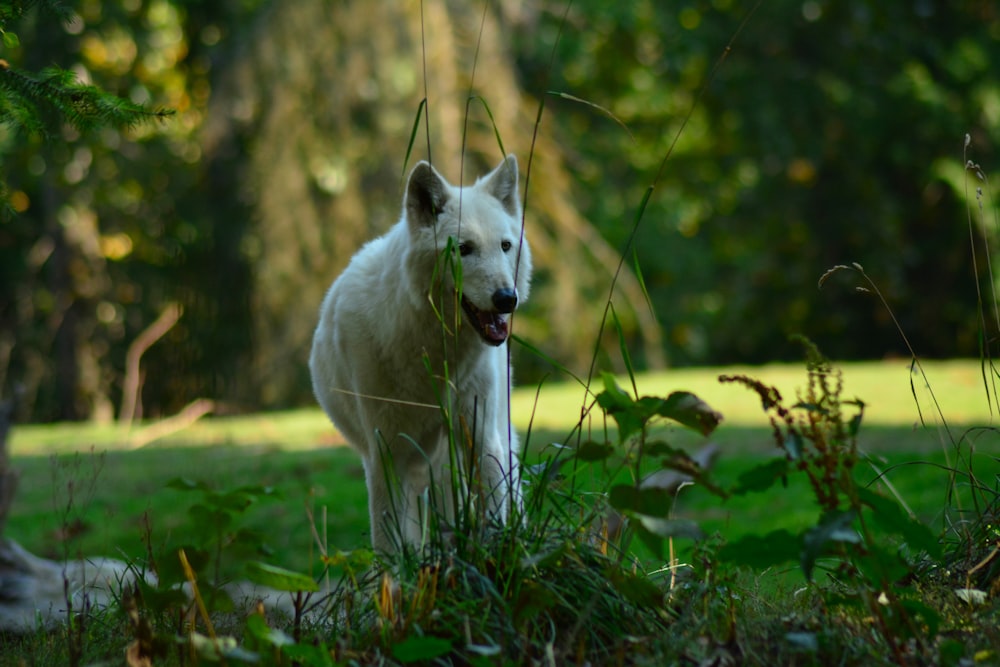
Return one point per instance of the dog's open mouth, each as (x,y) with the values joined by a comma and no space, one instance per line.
(491,325)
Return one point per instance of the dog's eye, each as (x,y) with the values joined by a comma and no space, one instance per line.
(465,249)
(505,245)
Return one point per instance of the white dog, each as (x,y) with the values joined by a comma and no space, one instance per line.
(408,357)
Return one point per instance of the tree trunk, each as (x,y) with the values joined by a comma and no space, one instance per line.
(324,97)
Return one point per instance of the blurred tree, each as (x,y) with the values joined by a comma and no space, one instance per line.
(34,102)
(855,167)
(47,305)
(832,133)
(287,154)
(323,125)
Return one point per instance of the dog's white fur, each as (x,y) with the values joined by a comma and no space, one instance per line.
(410,344)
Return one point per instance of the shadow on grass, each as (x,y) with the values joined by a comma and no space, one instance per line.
(103,503)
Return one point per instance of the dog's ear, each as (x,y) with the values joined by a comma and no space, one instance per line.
(502,184)
(426,195)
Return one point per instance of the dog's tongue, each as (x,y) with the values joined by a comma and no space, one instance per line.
(494,325)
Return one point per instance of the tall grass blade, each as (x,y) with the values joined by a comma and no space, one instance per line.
(421,112)
(536,351)
(493,122)
(424,102)
(623,346)
(913,391)
(637,271)
(598,107)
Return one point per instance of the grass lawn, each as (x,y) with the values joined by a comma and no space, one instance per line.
(84,492)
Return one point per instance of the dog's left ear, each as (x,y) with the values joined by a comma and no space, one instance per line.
(426,195)
(502,184)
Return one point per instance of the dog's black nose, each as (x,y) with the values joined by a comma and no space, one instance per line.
(505,299)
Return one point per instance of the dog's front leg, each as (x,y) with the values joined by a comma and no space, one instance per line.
(383,508)
(403,502)
(500,477)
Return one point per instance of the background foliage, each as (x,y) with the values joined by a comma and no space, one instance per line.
(831,133)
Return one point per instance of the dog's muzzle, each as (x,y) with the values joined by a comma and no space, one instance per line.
(492,325)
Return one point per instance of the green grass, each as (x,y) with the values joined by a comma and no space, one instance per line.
(83,492)
(884,386)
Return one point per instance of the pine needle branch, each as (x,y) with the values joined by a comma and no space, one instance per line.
(11,10)
(27,100)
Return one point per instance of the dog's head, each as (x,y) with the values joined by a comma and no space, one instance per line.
(489,264)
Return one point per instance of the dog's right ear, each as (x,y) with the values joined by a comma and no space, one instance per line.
(426,195)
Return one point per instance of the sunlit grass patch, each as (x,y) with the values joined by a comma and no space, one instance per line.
(883,385)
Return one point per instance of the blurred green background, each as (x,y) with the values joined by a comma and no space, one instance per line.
(831,132)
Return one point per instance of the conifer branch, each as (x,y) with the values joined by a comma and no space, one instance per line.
(28,100)
(11,10)
(31,102)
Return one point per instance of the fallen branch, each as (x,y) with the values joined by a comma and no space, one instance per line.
(154,332)
(188,415)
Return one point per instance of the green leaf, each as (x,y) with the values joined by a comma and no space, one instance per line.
(972,596)
(619,406)
(308,655)
(217,598)
(532,599)
(416,649)
(762,477)
(652,541)
(660,448)
(164,596)
(836,528)
(624,498)
(218,649)
(890,517)
(356,559)
(688,410)
(10,40)
(208,520)
(258,628)
(922,611)
(646,407)
(591,451)
(950,652)
(652,502)
(677,460)
(238,500)
(231,502)
(636,589)
(760,553)
(881,567)
(550,557)
(279,578)
(186,484)
(671,527)
(169,566)
(854,426)
(616,397)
